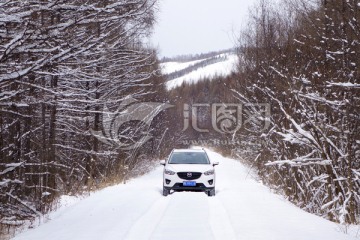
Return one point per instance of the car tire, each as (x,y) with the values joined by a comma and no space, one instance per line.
(211,192)
(165,192)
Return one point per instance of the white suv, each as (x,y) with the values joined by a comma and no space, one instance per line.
(189,170)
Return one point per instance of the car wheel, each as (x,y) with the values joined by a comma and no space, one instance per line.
(165,192)
(211,193)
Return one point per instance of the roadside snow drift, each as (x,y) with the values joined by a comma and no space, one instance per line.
(242,209)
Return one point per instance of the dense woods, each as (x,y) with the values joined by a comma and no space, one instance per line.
(66,66)
(302,58)
(61,64)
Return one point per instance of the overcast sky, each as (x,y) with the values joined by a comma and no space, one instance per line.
(196,26)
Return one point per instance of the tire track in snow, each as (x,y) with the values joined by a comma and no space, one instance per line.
(146,224)
(186,217)
(219,220)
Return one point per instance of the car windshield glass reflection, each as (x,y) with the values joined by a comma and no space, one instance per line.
(189,158)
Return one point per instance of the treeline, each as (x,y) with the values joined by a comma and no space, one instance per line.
(301,58)
(64,66)
(194,57)
(195,66)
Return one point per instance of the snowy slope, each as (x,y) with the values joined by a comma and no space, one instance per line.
(242,209)
(220,69)
(169,67)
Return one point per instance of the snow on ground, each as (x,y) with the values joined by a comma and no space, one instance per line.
(217,69)
(242,209)
(169,67)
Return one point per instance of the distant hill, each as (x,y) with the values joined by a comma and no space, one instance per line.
(198,67)
(194,57)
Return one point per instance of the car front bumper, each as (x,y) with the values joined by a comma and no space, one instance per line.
(198,188)
(174,182)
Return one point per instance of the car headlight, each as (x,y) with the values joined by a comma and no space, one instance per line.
(210,172)
(169,172)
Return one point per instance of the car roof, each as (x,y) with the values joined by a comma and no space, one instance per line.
(188,150)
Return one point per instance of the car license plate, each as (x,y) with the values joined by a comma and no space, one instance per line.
(189,184)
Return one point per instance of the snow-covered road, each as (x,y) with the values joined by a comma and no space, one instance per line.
(242,209)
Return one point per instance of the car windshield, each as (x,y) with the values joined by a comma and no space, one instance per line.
(189,158)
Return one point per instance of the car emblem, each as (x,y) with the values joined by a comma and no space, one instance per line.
(189,174)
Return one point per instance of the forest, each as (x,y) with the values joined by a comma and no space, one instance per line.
(62,63)
(66,65)
(302,58)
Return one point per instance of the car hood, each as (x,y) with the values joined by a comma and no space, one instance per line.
(189,167)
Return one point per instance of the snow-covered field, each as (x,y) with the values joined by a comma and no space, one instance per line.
(242,209)
(169,67)
(217,69)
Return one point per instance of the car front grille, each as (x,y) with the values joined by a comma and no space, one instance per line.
(189,175)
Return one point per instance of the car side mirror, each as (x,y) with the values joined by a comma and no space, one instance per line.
(162,162)
(215,163)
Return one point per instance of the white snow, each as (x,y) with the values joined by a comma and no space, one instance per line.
(344,84)
(217,69)
(169,67)
(242,209)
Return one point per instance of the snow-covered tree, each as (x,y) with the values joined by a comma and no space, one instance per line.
(303,59)
(61,62)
